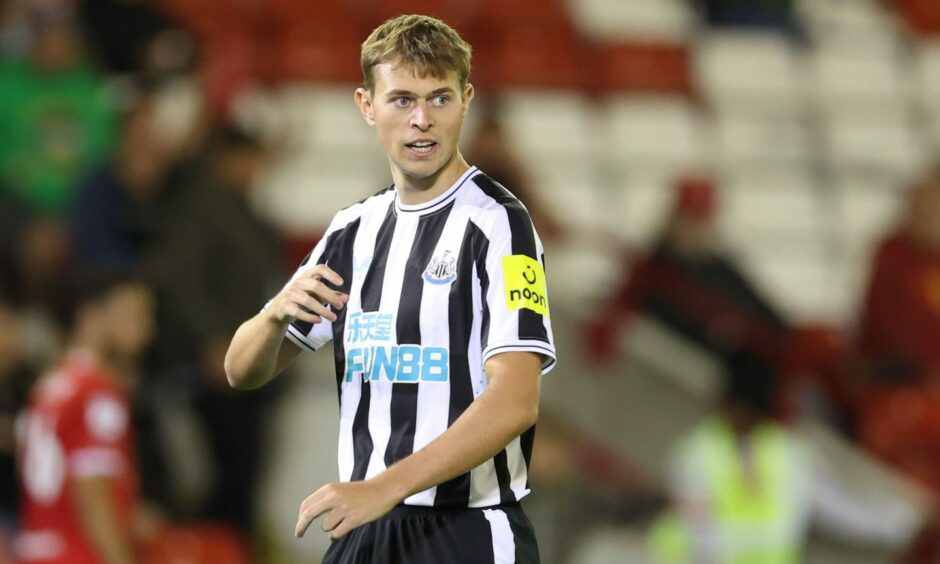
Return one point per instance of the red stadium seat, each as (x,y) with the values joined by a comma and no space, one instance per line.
(198,544)
(208,17)
(532,56)
(646,67)
(456,13)
(922,16)
(520,14)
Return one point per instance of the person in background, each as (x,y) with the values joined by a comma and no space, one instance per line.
(116,212)
(690,284)
(744,488)
(215,258)
(899,330)
(75,446)
(15,379)
(55,115)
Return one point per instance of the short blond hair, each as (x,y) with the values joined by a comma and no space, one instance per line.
(428,45)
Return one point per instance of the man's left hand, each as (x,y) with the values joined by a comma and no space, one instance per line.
(346,506)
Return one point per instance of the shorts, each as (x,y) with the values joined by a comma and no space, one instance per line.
(430,535)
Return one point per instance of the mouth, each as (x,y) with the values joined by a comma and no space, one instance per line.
(421,148)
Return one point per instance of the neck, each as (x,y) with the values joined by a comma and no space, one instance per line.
(413,191)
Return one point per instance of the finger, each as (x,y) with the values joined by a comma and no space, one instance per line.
(332,519)
(300,313)
(311,508)
(343,528)
(323,293)
(326,273)
(311,305)
(307,516)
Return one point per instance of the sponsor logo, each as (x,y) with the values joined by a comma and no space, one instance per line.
(442,269)
(524,279)
(372,354)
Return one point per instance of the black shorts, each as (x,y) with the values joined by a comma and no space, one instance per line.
(428,535)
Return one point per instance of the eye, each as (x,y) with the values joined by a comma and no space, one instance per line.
(440,100)
(401,102)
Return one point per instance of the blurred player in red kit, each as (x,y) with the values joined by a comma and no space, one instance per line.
(77,468)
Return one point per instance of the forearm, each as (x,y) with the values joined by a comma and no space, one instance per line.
(252,357)
(100,522)
(486,427)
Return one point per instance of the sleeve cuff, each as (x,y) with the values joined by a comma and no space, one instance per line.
(543,349)
(299,339)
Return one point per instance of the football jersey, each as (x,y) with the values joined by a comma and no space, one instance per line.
(435,290)
(76,425)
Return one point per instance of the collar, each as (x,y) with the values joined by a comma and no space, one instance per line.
(437,203)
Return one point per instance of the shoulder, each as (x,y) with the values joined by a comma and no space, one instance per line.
(376,203)
(492,204)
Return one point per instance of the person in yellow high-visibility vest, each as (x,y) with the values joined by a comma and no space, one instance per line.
(744,488)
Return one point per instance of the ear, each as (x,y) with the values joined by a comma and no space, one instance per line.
(468,93)
(364,101)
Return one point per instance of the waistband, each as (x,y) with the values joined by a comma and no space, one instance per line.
(406,511)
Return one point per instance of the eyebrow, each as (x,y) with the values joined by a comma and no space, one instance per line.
(409,94)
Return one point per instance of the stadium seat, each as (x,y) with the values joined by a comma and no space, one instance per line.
(537,56)
(652,132)
(638,204)
(749,71)
(763,204)
(303,191)
(642,67)
(854,82)
(868,207)
(560,124)
(199,544)
(459,14)
(872,144)
(801,285)
(516,15)
(850,26)
(928,87)
(321,116)
(775,140)
(209,17)
(617,21)
(569,188)
(921,16)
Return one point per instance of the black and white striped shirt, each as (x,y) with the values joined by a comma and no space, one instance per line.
(435,290)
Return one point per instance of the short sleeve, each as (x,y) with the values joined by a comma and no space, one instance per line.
(309,336)
(96,434)
(516,309)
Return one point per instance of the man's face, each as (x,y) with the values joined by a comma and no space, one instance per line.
(417,119)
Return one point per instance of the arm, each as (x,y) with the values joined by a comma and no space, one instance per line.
(99,519)
(257,352)
(505,410)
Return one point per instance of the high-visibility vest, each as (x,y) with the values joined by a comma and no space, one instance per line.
(758,521)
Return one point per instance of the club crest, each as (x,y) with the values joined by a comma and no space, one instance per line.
(442,269)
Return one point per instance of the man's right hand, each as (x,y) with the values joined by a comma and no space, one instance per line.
(307,296)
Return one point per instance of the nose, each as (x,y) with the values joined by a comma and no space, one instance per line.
(421,117)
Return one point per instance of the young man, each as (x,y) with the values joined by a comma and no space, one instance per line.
(77,468)
(433,292)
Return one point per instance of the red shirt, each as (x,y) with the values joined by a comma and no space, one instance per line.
(76,425)
(901,321)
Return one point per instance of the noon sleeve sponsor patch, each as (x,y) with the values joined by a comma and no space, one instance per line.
(524,279)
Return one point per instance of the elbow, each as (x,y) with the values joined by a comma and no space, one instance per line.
(527,417)
(235,379)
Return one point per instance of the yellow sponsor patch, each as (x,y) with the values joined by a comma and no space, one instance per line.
(524,279)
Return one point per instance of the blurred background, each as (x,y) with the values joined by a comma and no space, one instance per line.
(740,202)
